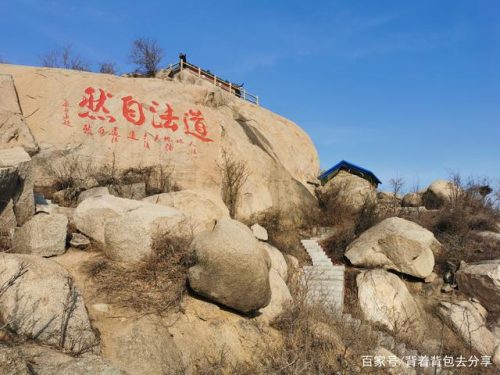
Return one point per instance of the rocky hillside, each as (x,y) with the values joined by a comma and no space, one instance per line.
(162,226)
(185,123)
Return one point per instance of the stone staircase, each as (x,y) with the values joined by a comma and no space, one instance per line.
(325,284)
(324,281)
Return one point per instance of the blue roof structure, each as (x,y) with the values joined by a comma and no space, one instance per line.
(351,168)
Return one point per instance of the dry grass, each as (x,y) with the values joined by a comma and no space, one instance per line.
(155,285)
(235,172)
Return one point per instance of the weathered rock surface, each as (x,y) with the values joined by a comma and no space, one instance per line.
(468,321)
(93,192)
(278,262)
(488,235)
(16,183)
(481,280)
(240,128)
(395,244)
(353,190)
(43,235)
(42,303)
(231,268)
(91,214)
(130,236)
(259,232)
(412,200)
(13,129)
(385,299)
(280,297)
(202,209)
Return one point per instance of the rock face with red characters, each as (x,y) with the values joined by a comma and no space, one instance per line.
(125,123)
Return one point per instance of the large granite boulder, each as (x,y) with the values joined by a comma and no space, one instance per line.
(412,200)
(468,320)
(92,213)
(439,192)
(280,298)
(202,209)
(43,235)
(231,267)
(351,189)
(396,244)
(278,262)
(482,281)
(40,301)
(384,299)
(132,134)
(131,236)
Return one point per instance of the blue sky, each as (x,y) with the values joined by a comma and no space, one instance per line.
(405,88)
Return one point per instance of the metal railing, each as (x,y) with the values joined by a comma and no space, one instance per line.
(238,91)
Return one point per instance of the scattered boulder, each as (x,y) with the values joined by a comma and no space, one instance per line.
(201,209)
(280,297)
(353,190)
(482,281)
(395,244)
(278,262)
(439,192)
(231,268)
(468,321)
(43,235)
(385,299)
(92,213)
(412,200)
(130,236)
(94,192)
(40,301)
(16,183)
(79,241)
(259,232)
(8,224)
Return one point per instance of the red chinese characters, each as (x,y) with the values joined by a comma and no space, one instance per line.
(95,107)
(195,125)
(159,121)
(133,111)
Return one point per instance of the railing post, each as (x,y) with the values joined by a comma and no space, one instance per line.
(215,80)
(199,72)
(257,99)
(182,64)
(244,94)
(230,87)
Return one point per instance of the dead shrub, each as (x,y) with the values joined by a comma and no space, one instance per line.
(154,285)
(315,341)
(71,175)
(234,175)
(470,209)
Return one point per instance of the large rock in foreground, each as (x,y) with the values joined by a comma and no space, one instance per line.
(43,235)
(395,244)
(41,302)
(384,299)
(482,281)
(231,268)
